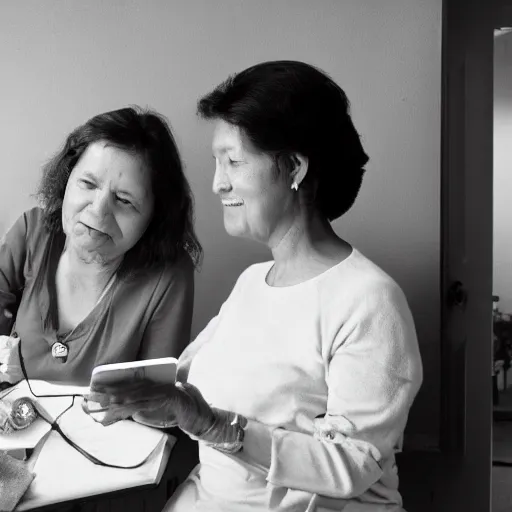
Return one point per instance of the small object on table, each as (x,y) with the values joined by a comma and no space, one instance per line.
(23,413)
(16,415)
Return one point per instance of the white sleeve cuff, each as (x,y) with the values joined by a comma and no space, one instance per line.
(257,446)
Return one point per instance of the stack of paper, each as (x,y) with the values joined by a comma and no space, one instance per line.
(124,443)
(62,474)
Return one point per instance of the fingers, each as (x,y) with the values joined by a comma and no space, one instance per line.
(107,404)
(106,415)
(159,418)
(124,405)
(182,370)
(133,394)
(188,388)
(191,391)
(126,386)
(102,399)
(111,416)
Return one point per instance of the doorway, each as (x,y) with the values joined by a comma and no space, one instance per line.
(502,273)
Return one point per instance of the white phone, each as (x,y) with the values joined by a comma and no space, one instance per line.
(159,371)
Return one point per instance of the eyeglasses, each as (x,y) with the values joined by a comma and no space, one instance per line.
(55,425)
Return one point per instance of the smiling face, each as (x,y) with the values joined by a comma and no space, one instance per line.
(108,203)
(256,198)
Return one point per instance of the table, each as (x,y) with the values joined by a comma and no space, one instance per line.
(183,458)
(71,481)
(63,475)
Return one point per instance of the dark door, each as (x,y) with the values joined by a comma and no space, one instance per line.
(458,476)
(467,189)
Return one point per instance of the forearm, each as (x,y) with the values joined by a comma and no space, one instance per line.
(337,468)
(340,467)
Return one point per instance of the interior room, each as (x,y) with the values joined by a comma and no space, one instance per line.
(64,62)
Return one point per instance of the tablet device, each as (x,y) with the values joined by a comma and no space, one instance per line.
(158,371)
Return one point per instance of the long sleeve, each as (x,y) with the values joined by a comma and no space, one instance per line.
(168,330)
(13,253)
(325,372)
(374,372)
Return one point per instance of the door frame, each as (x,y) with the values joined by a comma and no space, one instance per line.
(466,223)
(464,481)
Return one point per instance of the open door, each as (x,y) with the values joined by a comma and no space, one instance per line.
(458,475)
(467,206)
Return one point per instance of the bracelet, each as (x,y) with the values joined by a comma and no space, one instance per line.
(240,432)
(240,423)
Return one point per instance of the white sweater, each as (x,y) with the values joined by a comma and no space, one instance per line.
(327,371)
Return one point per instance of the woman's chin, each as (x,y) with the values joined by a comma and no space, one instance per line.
(90,255)
(234,230)
(240,233)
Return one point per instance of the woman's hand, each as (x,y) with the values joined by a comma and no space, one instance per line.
(10,367)
(109,402)
(180,404)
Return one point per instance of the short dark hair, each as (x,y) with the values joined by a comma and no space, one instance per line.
(147,134)
(289,106)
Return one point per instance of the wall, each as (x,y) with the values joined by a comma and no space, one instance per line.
(502,264)
(62,62)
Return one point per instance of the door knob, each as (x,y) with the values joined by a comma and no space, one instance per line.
(457,295)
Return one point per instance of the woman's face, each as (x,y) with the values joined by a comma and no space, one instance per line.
(256,198)
(108,203)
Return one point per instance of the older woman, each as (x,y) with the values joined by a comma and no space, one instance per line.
(300,388)
(103,272)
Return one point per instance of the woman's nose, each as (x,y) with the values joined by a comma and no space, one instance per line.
(220,180)
(101,205)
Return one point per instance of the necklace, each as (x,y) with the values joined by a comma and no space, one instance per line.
(60,349)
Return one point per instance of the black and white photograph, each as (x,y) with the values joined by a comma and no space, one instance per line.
(256,256)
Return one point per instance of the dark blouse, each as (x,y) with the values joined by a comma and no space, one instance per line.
(144,316)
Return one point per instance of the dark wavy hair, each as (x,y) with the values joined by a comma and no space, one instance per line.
(290,106)
(145,133)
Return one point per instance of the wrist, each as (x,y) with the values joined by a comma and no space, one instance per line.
(227,433)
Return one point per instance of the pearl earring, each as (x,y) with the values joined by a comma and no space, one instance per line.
(295,186)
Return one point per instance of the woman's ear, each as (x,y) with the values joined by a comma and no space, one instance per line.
(300,165)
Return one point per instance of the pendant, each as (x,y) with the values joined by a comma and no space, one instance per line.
(60,352)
